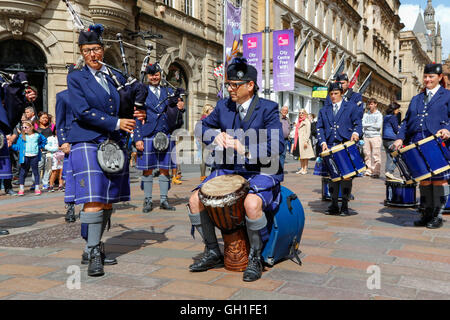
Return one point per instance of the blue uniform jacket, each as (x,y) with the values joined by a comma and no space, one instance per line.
(390,127)
(95,111)
(64,117)
(265,116)
(20,146)
(162,115)
(431,119)
(332,129)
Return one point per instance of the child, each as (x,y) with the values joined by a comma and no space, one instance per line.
(57,158)
(29,145)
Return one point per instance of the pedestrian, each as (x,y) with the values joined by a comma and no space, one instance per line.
(390,131)
(428,114)
(29,145)
(243,110)
(302,147)
(204,151)
(286,125)
(56,158)
(337,123)
(372,123)
(45,126)
(162,120)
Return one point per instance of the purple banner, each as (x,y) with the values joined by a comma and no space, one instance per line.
(232,32)
(252,43)
(283,60)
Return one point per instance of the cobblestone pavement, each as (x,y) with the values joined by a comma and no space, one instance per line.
(154,251)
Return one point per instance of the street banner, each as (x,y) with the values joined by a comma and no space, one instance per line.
(283,60)
(252,51)
(232,32)
(319,92)
(354,77)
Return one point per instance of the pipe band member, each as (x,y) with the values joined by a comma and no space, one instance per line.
(257,161)
(428,114)
(338,122)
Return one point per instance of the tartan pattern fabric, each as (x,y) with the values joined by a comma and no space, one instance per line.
(5,161)
(91,184)
(67,176)
(263,185)
(152,159)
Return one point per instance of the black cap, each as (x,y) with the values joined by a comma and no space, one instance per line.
(433,68)
(239,70)
(342,77)
(153,68)
(335,86)
(92,36)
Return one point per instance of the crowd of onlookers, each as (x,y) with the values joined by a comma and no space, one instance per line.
(378,130)
(34,146)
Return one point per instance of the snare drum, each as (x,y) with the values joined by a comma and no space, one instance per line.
(423,159)
(223,198)
(343,161)
(400,194)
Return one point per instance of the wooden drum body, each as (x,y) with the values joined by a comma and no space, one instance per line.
(223,198)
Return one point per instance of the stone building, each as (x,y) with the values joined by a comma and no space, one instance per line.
(363,32)
(37,36)
(446,68)
(418,47)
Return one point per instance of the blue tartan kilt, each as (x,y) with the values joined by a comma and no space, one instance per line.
(90,183)
(150,158)
(5,161)
(67,176)
(320,169)
(263,185)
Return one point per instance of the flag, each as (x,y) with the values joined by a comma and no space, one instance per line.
(340,68)
(322,61)
(354,78)
(302,46)
(366,84)
(218,72)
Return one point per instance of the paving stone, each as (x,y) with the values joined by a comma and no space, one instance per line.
(363,257)
(427,295)
(293,276)
(138,269)
(137,282)
(198,290)
(437,286)
(427,265)
(235,280)
(308,267)
(340,262)
(27,285)
(135,294)
(22,270)
(321,293)
(164,252)
(184,274)
(249,294)
(88,291)
(356,274)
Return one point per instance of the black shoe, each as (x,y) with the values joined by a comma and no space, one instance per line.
(148,205)
(70,213)
(425,219)
(165,205)
(95,267)
(10,192)
(106,261)
(210,259)
(344,209)
(436,222)
(4,232)
(333,209)
(254,267)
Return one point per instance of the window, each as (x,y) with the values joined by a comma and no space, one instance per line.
(400,65)
(238,3)
(168,3)
(189,7)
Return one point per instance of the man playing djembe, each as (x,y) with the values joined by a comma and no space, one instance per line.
(256,158)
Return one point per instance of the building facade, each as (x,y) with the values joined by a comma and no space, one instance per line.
(38,37)
(363,32)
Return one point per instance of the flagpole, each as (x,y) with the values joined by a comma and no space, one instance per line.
(302,45)
(224,45)
(338,66)
(315,66)
(364,82)
(355,72)
(267,53)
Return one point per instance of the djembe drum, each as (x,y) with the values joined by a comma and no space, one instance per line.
(223,198)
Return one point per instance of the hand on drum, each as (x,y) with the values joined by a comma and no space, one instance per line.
(445,134)
(355,137)
(397,144)
(140,145)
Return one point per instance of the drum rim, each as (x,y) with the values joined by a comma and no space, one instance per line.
(349,143)
(425,176)
(438,171)
(227,201)
(398,182)
(407,148)
(334,149)
(425,140)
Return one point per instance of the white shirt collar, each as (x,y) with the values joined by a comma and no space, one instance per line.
(246,104)
(338,104)
(433,91)
(153,88)
(102,69)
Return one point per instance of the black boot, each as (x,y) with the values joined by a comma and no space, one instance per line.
(165,206)
(344,209)
(106,261)
(333,208)
(95,267)
(212,258)
(70,213)
(427,216)
(148,205)
(436,222)
(346,194)
(254,267)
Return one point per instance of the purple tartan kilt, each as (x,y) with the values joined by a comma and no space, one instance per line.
(151,159)
(320,169)
(90,183)
(67,176)
(5,161)
(263,185)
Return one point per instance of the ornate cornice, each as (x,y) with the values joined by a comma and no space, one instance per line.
(30,9)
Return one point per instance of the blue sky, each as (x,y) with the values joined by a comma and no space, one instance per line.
(409,9)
